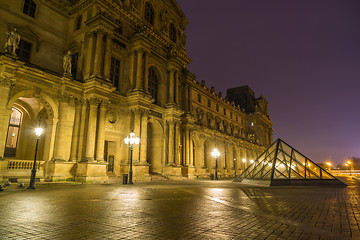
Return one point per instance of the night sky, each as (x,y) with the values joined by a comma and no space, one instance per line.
(302,55)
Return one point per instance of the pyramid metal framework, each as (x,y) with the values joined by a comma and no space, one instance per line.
(282,165)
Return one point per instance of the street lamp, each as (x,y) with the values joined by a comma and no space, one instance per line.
(131,142)
(235,166)
(349,162)
(329,164)
(38,132)
(215,153)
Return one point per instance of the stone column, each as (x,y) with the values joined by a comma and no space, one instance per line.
(100,138)
(189,98)
(143,137)
(76,131)
(80,151)
(146,79)
(89,56)
(171,86)
(107,59)
(177,88)
(91,130)
(137,131)
(131,69)
(49,138)
(177,148)
(171,156)
(139,70)
(187,146)
(64,129)
(99,52)
(191,152)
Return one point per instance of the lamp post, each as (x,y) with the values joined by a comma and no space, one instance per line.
(346,165)
(329,164)
(131,142)
(215,153)
(349,162)
(38,132)
(235,166)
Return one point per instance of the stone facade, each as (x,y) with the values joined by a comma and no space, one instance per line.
(128,73)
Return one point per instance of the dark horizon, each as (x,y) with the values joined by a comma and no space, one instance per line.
(302,56)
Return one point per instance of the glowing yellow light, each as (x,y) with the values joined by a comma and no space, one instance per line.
(252,161)
(244,160)
(346,164)
(329,164)
(38,131)
(282,165)
(215,153)
(349,162)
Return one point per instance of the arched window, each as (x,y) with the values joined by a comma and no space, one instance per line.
(153,84)
(13,133)
(149,13)
(172,32)
(29,8)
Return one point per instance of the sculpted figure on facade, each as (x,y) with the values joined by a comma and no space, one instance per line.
(182,36)
(164,20)
(12,42)
(67,63)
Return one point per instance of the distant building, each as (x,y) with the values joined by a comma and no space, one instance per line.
(91,71)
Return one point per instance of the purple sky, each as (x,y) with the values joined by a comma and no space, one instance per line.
(303,55)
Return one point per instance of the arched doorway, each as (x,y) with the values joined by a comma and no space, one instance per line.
(154,146)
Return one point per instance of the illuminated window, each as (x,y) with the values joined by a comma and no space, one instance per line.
(153,84)
(115,72)
(252,124)
(13,133)
(149,13)
(29,8)
(172,32)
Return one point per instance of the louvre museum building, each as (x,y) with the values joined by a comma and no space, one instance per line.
(90,72)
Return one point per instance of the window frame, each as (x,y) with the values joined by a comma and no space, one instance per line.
(115,64)
(149,13)
(28,12)
(153,84)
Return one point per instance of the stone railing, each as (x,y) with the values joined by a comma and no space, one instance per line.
(22,164)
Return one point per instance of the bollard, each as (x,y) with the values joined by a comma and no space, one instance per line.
(20,185)
(125,179)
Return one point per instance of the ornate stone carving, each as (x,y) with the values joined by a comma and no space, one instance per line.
(67,63)
(94,101)
(12,42)
(164,20)
(65,98)
(182,36)
(7,82)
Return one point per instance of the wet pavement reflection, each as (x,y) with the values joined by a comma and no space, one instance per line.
(180,210)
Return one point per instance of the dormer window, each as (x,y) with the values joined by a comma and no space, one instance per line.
(149,13)
(172,32)
(29,8)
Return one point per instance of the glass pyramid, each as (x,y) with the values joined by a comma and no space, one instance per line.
(282,165)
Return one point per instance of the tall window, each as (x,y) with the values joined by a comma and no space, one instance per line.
(209,103)
(78,23)
(115,72)
(24,51)
(199,98)
(153,84)
(149,13)
(172,32)
(29,8)
(13,133)
(217,107)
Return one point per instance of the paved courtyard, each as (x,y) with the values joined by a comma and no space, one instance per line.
(180,210)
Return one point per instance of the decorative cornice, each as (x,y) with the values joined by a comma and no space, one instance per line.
(7,82)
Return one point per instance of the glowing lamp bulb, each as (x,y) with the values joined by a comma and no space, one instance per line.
(38,131)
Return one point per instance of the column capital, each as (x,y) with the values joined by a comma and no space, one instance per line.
(94,101)
(65,98)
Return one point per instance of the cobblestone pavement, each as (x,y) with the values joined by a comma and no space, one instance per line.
(180,210)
